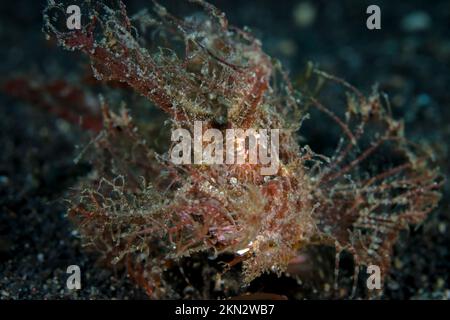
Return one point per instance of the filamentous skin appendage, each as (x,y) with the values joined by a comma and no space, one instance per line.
(141,211)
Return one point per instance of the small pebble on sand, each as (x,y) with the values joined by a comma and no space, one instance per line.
(416,21)
(304,14)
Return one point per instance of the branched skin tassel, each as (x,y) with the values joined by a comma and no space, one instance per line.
(142,211)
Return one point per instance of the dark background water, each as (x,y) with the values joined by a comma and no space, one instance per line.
(409,58)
